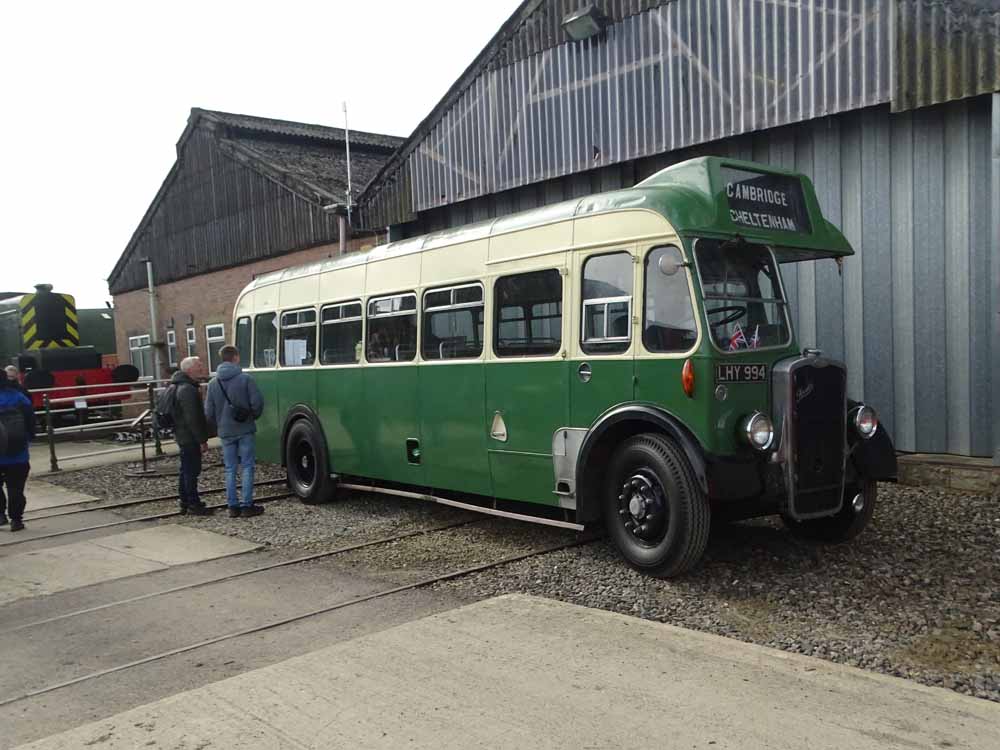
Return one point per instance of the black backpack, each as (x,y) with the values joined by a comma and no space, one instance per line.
(166,405)
(13,431)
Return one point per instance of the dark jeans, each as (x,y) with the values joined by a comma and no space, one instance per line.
(14,477)
(190,470)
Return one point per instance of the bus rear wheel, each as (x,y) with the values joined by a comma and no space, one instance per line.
(654,509)
(306,464)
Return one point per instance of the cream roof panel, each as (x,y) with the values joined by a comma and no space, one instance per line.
(342,283)
(453,263)
(301,289)
(623,225)
(397,274)
(558,236)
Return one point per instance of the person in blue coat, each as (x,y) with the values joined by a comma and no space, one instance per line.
(17,428)
(234,404)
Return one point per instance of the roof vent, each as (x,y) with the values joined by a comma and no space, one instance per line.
(43,288)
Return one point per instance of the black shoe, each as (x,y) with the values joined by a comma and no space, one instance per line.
(183,510)
(234,512)
(16,525)
(200,510)
(3,519)
(251,510)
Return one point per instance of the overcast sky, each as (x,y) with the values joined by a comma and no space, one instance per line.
(96,94)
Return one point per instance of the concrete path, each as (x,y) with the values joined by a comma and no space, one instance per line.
(521,672)
(106,558)
(44,495)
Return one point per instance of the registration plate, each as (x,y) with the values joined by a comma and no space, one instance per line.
(740,373)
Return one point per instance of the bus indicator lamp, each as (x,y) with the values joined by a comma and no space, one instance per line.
(687,378)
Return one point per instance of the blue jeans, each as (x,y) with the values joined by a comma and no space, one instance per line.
(239,450)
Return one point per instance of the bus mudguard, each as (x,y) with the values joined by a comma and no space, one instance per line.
(875,458)
(609,431)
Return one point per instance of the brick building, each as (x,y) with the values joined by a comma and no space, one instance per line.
(246,195)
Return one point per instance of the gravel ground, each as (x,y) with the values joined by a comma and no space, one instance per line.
(917,595)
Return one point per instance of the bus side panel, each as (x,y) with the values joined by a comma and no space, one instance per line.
(610,384)
(296,387)
(392,409)
(454,427)
(340,404)
(533,400)
(270,423)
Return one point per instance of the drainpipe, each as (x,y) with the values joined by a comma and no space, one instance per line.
(343,224)
(995,242)
(154,332)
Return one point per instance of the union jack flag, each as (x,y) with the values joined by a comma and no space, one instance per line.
(737,339)
(755,339)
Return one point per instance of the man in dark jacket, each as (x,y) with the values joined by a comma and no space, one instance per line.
(234,404)
(17,427)
(190,432)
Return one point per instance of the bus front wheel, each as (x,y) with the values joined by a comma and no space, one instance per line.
(654,510)
(306,464)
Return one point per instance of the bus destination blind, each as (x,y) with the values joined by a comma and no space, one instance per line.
(765,201)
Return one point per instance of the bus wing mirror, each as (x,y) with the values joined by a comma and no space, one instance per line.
(670,263)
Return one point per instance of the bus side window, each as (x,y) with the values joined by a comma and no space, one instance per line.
(392,328)
(265,345)
(340,334)
(607,303)
(528,321)
(453,323)
(668,321)
(298,338)
(243,338)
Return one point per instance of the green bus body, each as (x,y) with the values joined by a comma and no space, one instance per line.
(429,424)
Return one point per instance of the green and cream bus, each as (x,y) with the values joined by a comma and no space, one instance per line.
(624,358)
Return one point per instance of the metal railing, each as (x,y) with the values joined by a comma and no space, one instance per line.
(146,390)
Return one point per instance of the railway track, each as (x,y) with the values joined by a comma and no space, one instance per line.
(332,607)
(124,521)
(131,503)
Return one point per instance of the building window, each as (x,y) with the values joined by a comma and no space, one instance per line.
(528,314)
(607,303)
(141,355)
(340,334)
(192,342)
(215,339)
(265,343)
(243,338)
(392,328)
(453,322)
(172,348)
(298,338)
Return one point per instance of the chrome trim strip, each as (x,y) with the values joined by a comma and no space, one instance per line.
(464,506)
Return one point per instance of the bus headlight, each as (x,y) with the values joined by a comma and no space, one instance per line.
(758,431)
(865,421)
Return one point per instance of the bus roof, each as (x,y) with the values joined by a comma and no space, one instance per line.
(705,196)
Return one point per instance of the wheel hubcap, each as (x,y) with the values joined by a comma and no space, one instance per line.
(305,464)
(642,507)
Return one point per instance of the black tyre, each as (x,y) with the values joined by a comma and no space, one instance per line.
(654,509)
(844,525)
(306,464)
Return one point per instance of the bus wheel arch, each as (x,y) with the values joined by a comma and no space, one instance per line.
(611,430)
(305,456)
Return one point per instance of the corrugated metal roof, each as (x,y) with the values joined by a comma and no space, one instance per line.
(669,76)
(945,51)
(666,75)
(268,126)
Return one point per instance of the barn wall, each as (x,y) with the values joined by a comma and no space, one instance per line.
(217,213)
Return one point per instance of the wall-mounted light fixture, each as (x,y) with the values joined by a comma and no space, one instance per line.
(584,23)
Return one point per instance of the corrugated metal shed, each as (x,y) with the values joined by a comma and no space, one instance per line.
(667,77)
(946,51)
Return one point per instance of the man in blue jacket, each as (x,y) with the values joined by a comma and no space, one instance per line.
(17,427)
(234,404)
